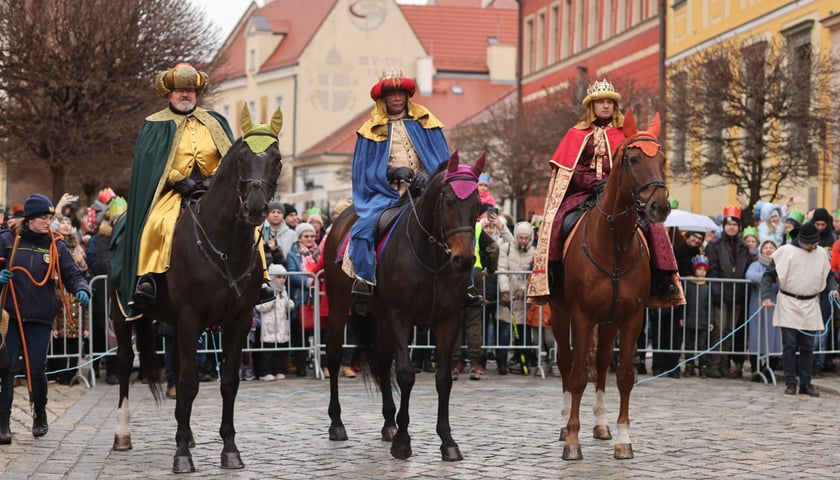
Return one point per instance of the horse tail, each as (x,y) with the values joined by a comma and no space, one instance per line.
(366,332)
(146,338)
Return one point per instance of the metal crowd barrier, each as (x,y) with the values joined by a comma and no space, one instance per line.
(749,333)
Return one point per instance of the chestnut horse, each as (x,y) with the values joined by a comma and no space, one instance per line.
(214,279)
(422,277)
(605,282)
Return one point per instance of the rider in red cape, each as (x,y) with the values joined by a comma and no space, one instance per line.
(401,144)
(581,165)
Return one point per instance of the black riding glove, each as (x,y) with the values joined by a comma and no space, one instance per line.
(400,174)
(418,184)
(185,187)
(599,187)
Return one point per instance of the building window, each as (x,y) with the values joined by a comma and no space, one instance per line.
(252,60)
(278,102)
(592,25)
(607,25)
(553,17)
(540,42)
(579,17)
(566,31)
(528,48)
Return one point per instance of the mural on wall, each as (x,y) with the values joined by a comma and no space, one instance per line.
(367,14)
(333,85)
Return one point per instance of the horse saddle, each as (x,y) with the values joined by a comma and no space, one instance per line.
(386,220)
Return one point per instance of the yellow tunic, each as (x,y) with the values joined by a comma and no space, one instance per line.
(195,147)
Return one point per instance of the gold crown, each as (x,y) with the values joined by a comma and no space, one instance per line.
(600,90)
(390,74)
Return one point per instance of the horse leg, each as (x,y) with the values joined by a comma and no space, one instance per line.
(624,379)
(185,349)
(576,385)
(335,338)
(603,358)
(125,360)
(564,364)
(447,335)
(232,343)
(389,409)
(401,446)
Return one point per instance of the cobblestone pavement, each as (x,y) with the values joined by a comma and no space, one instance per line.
(507,428)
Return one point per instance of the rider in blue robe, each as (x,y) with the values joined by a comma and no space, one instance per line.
(397,150)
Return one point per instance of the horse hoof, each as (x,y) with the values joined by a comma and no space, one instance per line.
(122,442)
(338,433)
(623,451)
(183,464)
(572,452)
(401,451)
(564,432)
(601,432)
(388,433)
(232,460)
(451,454)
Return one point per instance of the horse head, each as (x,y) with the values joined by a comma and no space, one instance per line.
(640,164)
(258,163)
(454,192)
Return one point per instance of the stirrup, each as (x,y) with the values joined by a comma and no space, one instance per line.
(360,294)
(145,293)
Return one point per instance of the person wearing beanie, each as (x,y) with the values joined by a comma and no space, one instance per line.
(276,234)
(302,257)
(33,275)
(696,316)
(771,226)
(397,149)
(793,222)
(750,237)
(770,341)
(823,221)
(274,330)
(178,151)
(484,194)
(580,167)
(729,257)
(317,223)
(515,256)
(803,273)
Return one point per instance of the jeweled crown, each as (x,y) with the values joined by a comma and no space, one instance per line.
(601,87)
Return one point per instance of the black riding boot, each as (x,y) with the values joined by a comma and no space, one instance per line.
(662,285)
(145,293)
(360,294)
(5,429)
(39,422)
(266,293)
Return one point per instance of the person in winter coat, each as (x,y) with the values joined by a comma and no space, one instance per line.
(695,320)
(275,326)
(516,256)
(764,338)
(32,252)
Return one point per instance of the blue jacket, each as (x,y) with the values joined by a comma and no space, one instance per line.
(38,304)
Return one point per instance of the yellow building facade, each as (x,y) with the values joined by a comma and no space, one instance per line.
(694,25)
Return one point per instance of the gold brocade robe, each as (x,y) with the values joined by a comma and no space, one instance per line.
(193,145)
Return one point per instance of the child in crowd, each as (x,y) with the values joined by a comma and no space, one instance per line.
(274,327)
(696,321)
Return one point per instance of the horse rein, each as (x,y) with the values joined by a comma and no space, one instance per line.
(442,240)
(637,192)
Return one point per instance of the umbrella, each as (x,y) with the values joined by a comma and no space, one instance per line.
(690,222)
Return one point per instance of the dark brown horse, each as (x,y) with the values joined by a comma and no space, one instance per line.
(213,280)
(605,282)
(422,277)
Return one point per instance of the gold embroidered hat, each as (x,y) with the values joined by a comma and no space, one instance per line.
(601,90)
(181,76)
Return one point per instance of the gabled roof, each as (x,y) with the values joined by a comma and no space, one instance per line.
(450,108)
(278,14)
(457,36)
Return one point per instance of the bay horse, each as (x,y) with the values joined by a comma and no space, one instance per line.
(422,277)
(213,280)
(604,281)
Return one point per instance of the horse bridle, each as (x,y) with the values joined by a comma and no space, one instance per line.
(636,193)
(442,240)
(232,281)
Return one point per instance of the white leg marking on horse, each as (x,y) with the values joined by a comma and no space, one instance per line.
(123,419)
(600,408)
(566,409)
(623,434)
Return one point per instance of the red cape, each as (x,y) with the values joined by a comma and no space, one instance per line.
(570,148)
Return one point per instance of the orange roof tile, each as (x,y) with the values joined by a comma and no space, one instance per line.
(307,15)
(466,50)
